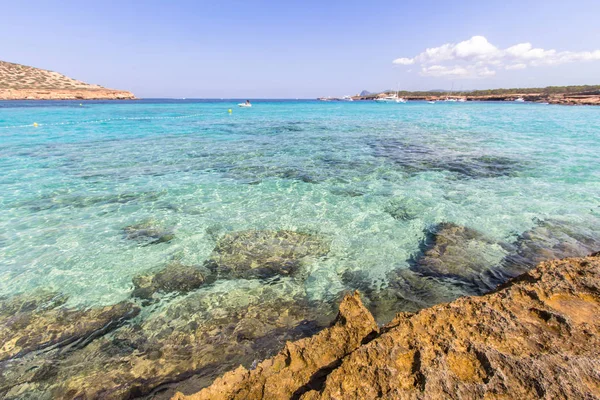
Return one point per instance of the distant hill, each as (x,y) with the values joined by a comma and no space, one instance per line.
(365,93)
(23,82)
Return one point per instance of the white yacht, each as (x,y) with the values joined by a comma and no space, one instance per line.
(347,98)
(520,100)
(387,99)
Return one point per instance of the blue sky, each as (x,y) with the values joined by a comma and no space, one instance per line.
(288,49)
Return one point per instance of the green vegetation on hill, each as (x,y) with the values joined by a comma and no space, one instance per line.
(580,89)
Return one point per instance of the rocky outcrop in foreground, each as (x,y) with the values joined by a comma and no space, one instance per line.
(536,336)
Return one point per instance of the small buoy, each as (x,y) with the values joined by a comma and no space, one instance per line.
(35,124)
(80,104)
(229,111)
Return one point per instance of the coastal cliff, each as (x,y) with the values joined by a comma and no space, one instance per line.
(536,336)
(21,82)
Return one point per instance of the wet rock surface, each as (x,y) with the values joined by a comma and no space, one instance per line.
(263,254)
(461,253)
(537,336)
(174,277)
(147,233)
(415,158)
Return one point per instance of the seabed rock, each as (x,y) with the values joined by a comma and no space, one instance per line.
(537,336)
(464,254)
(416,158)
(263,254)
(147,233)
(552,239)
(30,330)
(175,277)
(192,341)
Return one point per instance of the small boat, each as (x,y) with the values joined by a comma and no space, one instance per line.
(400,100)
(347,98)
(245,105)
(431,102)
(450,100)
(462,100)
(520,100)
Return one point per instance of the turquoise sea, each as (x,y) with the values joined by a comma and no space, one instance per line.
(370,179)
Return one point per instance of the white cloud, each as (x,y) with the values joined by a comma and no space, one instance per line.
(440,70)
(456,71)
(516,66)
(404,61)
(477,57)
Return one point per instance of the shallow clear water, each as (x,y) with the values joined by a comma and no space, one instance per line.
(70,185)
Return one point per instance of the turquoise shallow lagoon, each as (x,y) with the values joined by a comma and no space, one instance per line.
(370,179)
(72,184)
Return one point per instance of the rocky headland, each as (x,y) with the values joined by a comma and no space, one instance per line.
(536,336)
(21,82)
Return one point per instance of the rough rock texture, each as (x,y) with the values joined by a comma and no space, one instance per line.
(175,277)
(300,365)
(262,254)
(537,336)
(29,329)
(22,82)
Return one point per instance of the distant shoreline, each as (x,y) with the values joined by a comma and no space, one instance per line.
(567,95)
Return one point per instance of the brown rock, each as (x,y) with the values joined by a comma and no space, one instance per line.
(300,365)
(538,336)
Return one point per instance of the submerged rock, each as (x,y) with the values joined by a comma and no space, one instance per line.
(458,252)
(39,300)
(262,254)
(194,339)
(536,337)
(551,239)
(175,277)
(406,291)
(404,209)
(414,158)
(30,329)
(147,233)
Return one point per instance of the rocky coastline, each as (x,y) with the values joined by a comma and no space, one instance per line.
(536,336)
(65,94)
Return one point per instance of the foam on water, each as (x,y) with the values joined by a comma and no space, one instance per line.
(71,185)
